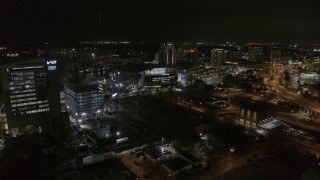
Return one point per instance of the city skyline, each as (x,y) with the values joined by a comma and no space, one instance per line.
(175,108)
(162,89)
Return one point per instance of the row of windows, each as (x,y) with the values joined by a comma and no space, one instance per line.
(26,77)
(37,111)
(27,74)
(43,105)
(26,81)
(100,98)
(22,95)
(86,106)
(82,95)
(24,111)
(32,86)
(78,99)
(87,95)
(22,100)
(22,83)
(85,102)
(28,103)
(23,78)
(22,91)
(22,74)
(89,103)
(27,68)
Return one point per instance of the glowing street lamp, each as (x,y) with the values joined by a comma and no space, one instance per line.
(232,149)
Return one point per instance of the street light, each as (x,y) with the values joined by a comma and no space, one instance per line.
(232,149)
(118,133)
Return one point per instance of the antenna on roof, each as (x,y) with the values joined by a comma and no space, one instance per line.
(97,34)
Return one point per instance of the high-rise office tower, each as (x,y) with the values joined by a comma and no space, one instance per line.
(275,55)
(255,52)
(83,98)
(218,57)
(168,54)
(32,95)
(186,53)
(191,55)
(72,70)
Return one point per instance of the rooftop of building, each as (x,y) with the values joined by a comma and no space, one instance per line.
(134,68)
(156,152)
(109,169)
(254,105)
(309,73)
(8,61)
(176,163)
(81,86)
(189,156)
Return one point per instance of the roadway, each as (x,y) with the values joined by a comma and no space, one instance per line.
(310,146)
(289,94)
(199,108)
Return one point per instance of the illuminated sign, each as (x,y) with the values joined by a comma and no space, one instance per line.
(52,65)
(52,68)
(52,62)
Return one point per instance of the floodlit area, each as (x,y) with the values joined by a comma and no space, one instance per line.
(158,162)
(272,124)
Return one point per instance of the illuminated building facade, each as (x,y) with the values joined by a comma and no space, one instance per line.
(157,79)
(309,77)
(252,113)
(168,54)
(218,57)
(157,82)
(83,100)
(32,95)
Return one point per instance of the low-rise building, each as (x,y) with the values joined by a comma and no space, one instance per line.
(157,79)
(173,166)
(253,112)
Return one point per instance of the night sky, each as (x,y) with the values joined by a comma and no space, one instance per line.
(288,21)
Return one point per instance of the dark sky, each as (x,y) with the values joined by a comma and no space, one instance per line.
(29,21)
